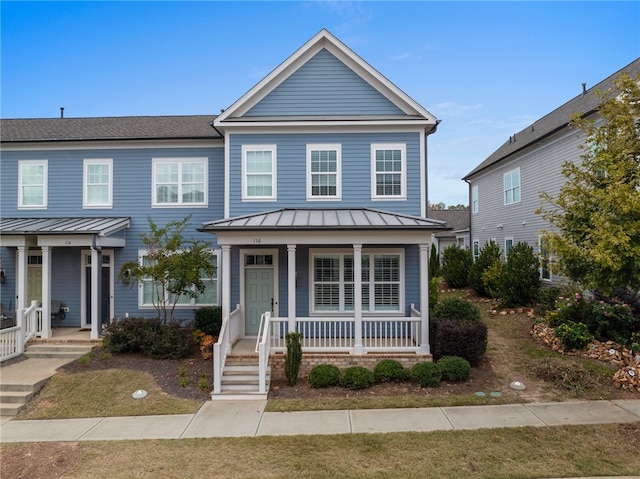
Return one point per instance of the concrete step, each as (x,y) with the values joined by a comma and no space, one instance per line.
(66,350)
(10,409)
(234,396)
(16,397)
(240,380)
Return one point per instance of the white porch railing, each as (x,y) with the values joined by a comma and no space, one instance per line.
(28,325)
(229,332)
(262,348)
(379,334)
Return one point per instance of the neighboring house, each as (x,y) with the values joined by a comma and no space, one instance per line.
(504,190)
(458,221)
(311,189)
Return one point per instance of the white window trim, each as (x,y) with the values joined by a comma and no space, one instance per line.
(403,174)
(180,162)
(506,252)
(45,192)
(476,249)
(474,199)
(540,269)
(85,184)
(142,305)
(274,170)
(348,252)
(325,147)
(504,189)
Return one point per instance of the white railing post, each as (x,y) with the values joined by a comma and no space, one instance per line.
(263,353)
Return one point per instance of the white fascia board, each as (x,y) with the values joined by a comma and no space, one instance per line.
(288,236)
(323,39)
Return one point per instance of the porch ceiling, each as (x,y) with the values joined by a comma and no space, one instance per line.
(310,219)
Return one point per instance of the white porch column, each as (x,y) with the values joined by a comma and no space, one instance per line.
(357,298)
(96,266)
(291,286)
(424,299)
(46,292)
(21,278)
(226,282)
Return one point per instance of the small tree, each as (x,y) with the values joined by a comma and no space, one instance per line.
(456,263)
(293,358)
(434,262)
(489,255)
(174,266)
(520,282)
(597,211)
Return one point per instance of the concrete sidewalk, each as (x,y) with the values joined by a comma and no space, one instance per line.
(247,418)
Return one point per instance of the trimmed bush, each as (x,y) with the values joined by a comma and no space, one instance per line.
(357,377)
(573,335)
(171,341)
(389,370)
(434,262)
(520,282)
(456,263)
(324,376)
(457,308)
(452,337)
(454,368)
(293,358)
(208,319)
(425,374)
(434,292)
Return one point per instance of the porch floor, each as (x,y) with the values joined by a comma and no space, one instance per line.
(244,347)
(69,335)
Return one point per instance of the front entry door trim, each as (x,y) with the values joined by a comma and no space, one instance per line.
(243,278)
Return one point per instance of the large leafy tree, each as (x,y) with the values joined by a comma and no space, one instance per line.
(176,267)
(597,211)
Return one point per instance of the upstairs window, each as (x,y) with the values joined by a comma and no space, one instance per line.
(180,182)
(474,199)
(259,172)
(32,184)
(388,166)
(508,244)
(98,183)
(512,187)
(324,176)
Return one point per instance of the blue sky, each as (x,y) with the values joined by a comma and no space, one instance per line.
(486,69)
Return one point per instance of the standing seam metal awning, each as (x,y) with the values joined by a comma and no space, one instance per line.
(324,219)
(100,226)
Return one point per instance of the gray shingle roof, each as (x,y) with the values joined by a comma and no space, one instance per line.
(323,219)
(559,118)
(456,220)
(70,225)
(107,128)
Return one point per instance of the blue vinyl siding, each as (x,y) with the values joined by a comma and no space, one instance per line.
(356,171)
(132,190)
(324,86)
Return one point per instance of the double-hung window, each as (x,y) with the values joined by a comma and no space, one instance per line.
(508,245)
(474,199)
(512,187)
(259,172)
(180,182)
(32,184)
(324,176)
(388,171)
(154,293)
(333,282)
(98,183)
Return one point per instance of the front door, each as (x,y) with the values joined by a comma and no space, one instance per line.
(105,295)
(34,278)
(258,297)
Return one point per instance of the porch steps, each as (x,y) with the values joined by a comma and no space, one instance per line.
(58,350)
(14,397)
(240,380)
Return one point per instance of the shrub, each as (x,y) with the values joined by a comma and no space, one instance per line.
(451,337)
(454,368)
(434,285)
(171,341)
(488,255)
(357,377)
(293,358)
(547,297)
(612,320)
(208,319)
(324,376)
(457,308)
(573,335)
(389,370)
(456,263)
(425,374)
(434,262)
(521,278)
(572,307)
(492,278)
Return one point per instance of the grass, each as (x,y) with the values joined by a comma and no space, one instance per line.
(103,394)
(516,453)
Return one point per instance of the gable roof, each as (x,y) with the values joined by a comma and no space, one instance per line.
(324,41)
(455,219)
(323,219)
(107,128)
(586,103)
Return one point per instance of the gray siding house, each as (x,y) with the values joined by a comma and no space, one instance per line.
(311,189)
(504,190)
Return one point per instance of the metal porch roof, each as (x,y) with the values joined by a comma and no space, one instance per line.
(323,219)
(57,226)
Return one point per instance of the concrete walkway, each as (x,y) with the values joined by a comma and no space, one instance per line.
(247,418)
